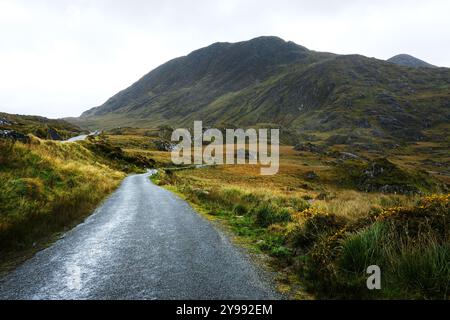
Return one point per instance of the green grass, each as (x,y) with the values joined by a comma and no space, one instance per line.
(409,244)
(39,126)
(329,252)
(47,187)
(382,175)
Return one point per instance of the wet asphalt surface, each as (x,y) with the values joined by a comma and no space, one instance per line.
(142,243)
(77,138)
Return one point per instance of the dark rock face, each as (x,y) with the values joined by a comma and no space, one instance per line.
(14,135)
(163,145)
(4,122)
(384,176)
(348,156)
(397,189)
(341,139)
(311,175)
(208,73)
(381,175)
(308,147)
(376,169)
(363,123)
(268,82)
(54,135)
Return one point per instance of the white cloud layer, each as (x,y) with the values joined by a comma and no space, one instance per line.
(61,57)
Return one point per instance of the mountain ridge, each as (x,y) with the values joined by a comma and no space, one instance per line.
(268,81)
(409,61)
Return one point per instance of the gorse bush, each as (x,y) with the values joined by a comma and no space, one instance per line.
(431,216)
(311,225)
(409,244)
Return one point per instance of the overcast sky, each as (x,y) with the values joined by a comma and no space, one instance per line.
(59,58)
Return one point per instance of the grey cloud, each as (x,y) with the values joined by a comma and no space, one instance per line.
(61,57)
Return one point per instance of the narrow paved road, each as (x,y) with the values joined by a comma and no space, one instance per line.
(142,243)
(77,138)
(82,137)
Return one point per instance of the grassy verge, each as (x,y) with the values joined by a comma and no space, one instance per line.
(326,243)
(47,187)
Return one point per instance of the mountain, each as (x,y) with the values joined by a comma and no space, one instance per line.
(409,61)
(270,82)
(186,84)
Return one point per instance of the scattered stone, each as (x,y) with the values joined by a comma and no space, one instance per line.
(54,135)
(308,147)
(311,175)
(14,135)
(325,196)
(349,156)
(363,123)
(164,145)
(383,176)
(4,122)
(339,139)
(387,99)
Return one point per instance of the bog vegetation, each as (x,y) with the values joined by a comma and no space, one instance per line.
(323,219)
(329,243)
(324,223)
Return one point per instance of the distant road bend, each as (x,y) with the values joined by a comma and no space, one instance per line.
(82,137)
(142,243)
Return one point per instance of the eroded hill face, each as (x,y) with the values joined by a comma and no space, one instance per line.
(269,82)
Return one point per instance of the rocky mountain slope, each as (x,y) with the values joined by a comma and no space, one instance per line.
(269,82)
(410,61)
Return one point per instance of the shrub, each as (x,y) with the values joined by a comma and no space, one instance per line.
(6,148)
(281,252)
(363,249)
(425,269)
(409,244)
(311,225)
(33,187)
(268,213)
(430,216)
(240,209)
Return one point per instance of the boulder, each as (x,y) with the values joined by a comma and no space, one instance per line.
(53,134)
(348,156)
(163,145)
(4,122)
(311,175)
(308,147)
(14,135)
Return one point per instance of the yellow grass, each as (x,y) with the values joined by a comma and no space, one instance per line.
(48,186)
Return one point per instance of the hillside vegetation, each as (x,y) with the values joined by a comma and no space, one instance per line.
(338,99)
(49,186)
(323,220)
(40,127)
